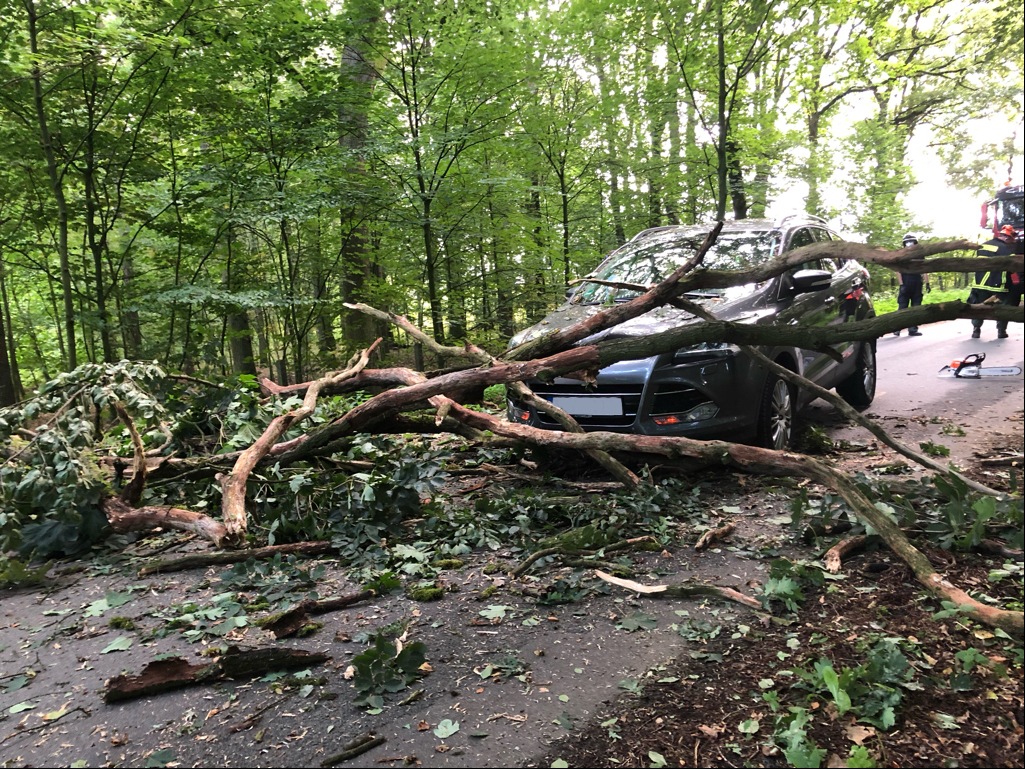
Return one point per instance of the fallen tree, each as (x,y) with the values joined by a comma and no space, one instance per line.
(401,390)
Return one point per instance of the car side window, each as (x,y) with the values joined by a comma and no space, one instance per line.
(802,237)
(810,235)
(825,236)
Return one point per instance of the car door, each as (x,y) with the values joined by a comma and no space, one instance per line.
(811,308)
(845,289)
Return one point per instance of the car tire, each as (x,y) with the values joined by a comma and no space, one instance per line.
(776,414)
(859,389)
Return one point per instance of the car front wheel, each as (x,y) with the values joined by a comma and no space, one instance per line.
(776,415)
(859,389)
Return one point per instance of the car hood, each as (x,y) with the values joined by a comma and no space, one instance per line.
(660,319)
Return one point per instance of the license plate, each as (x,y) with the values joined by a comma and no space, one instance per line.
(590,407)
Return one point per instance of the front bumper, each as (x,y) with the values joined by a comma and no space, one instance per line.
(698,398)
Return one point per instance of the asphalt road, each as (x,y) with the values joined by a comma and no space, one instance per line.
(970,417)
(908,370)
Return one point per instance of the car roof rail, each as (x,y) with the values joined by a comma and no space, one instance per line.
(803,217)
(654,231)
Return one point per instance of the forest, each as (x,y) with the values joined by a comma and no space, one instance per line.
(210,184)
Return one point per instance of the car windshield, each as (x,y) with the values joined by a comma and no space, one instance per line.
(648,261)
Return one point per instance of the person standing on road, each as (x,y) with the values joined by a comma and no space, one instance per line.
(992,285)
(911,284)
(1016,280)
(1015,283)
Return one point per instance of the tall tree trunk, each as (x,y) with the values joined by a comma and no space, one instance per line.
(656,125)
(694,169)
(6,325)
(722,119)
(131,324)
(431,263)
(612,163)
(358,330)
(95,240)
(503,294)
(289,265)
(534,293)
(655,172)
(456,293)
(240,335)
(56,184)
(8,390)
(326,341)
(673,196)
(813,202)
(883,215)
(564,223)
(240,343)
(738,195)
(358,267)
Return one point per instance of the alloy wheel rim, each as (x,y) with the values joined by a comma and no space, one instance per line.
(869,370)
(781,415)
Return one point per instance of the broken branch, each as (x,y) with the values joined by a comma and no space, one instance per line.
(686,590)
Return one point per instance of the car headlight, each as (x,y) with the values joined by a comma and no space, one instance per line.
(705,351)
(516,412)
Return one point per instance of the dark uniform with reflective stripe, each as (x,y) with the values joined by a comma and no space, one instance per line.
(992,282)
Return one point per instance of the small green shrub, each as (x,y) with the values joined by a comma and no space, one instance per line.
(384,669)
(786,583)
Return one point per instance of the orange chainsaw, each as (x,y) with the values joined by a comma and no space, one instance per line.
(970,367)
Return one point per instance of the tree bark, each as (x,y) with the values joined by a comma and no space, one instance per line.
(166,675)
(687,590)
(124,518)
(202,560)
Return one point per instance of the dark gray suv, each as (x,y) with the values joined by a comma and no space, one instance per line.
(713,390)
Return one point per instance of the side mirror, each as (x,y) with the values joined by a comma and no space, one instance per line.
(805,281)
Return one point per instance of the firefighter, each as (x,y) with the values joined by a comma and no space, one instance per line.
(993,284)
(909,293)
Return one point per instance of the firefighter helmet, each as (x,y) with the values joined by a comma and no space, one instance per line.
(910,240)
(1008,230)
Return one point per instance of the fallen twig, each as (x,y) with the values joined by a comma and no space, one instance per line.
(995,547)
(835,555)
(354,748)
(1014,461)
(561,550)
(290,622)
(412,697)
(199,560)
(714,535)
(682,591)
